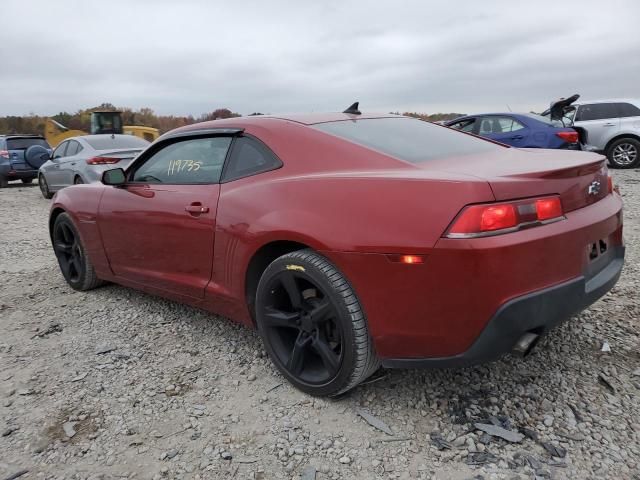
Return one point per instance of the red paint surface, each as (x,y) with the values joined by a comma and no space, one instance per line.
(356,206)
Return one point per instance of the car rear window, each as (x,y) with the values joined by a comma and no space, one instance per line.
(407,138)
(24,143)
(108,142)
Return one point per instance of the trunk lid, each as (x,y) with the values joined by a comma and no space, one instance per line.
(579,178)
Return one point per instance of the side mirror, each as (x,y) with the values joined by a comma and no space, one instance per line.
(114,177)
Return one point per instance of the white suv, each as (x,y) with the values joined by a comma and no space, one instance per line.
(612,126)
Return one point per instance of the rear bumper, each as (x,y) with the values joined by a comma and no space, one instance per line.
(9,173)
(537,312)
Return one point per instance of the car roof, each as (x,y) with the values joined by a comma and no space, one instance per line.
(100,135)
(21,135)
(303,119)
(635,101)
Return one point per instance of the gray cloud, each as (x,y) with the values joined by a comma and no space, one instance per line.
(287,56)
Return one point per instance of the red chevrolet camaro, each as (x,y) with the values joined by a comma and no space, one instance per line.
(352,241)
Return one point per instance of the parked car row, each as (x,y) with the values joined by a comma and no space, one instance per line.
(611,127)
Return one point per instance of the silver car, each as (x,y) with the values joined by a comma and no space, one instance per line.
(612,126)
(83,159)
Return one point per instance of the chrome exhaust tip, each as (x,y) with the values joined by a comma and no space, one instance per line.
(525,344)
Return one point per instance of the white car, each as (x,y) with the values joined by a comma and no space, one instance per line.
(612,126)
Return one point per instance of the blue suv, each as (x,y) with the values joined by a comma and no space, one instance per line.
(21,156)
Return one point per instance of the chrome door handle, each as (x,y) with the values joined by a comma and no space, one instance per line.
(197,209)
(609,125)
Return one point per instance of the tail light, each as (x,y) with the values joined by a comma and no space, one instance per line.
(4,153)
(102,160)
(569,137)
(497,218)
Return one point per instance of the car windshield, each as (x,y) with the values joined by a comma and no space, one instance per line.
(108,142)
(407,138)
(24,143)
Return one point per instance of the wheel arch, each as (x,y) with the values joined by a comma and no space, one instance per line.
(620,136)
(258,263)
(55,213)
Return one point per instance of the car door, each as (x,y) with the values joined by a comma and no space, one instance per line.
(53,174)
(68,163)
(504,129)
(629,117)
(158,228)
(600,120)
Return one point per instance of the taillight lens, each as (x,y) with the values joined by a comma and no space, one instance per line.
(4,153)
(497,218)
(548,208)
(102,160)
(610,186)
(569,137)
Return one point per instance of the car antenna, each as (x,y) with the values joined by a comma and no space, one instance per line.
(353,109)
(509,108)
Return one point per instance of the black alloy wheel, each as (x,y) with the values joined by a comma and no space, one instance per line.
(300,323)
(68,251)
(312,325)
(74,263)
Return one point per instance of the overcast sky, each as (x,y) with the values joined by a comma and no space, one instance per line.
(190,57)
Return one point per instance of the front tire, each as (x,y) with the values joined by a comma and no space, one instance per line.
(4,183)
(74,262)
(313,326)
(44,187)
(624,153)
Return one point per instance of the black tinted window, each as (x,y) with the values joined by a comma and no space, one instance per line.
(24,143)
(107,142)
(248,157)
(408,139)
(628,110)
(597,111)
(189,161)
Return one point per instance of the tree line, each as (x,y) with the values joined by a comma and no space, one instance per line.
(81,120)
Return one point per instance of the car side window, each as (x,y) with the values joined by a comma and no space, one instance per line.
(249,157)
(464,125)
(508,124)
(73,148)
(596,111)
(60,150)
(198,160)
(628,110)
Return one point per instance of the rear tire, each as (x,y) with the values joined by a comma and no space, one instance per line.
(624,153)
(44,187)
(4,183)
(75,264)
(27,181)
(313,326)
(78,181)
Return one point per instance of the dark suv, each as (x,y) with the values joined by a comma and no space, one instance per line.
(21,156)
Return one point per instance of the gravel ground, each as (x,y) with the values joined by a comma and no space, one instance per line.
(114,383)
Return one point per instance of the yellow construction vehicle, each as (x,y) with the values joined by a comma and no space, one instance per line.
(101,122)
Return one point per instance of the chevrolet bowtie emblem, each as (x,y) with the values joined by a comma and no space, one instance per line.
(594,188)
